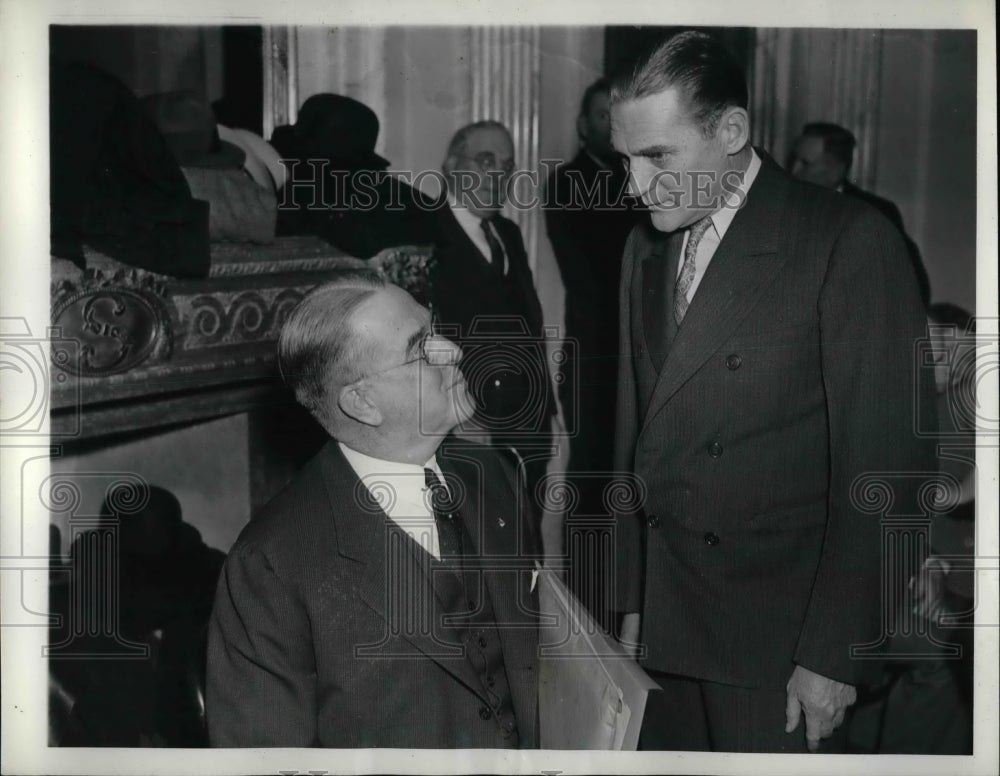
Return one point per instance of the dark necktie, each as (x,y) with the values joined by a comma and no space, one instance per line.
(445,517)
(686,278)
(496,249)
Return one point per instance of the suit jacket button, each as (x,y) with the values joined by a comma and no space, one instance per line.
(653,521)
(485,713)
(711,538)
(733,362)
(715,450)
(641,350)
(482,642)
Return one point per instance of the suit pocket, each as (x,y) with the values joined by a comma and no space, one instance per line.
(780,554)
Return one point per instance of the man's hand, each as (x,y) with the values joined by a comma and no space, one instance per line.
(823,700)
(630,633)
(929,589)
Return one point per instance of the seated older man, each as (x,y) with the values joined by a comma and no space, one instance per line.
(385,596)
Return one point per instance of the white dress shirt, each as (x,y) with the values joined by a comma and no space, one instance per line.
(472,226)
(399,489)
(721,219)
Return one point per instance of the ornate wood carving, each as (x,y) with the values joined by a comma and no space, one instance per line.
(227,318)
(119,322)
(133,350)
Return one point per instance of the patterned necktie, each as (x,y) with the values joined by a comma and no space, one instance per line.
(686,278)
(445,518)
(496,249)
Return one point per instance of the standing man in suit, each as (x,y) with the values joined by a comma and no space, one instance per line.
(767,342)
(380,599)
(484,289)
(823,154)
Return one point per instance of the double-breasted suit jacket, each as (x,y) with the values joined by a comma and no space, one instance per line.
(333,628)
(790,380)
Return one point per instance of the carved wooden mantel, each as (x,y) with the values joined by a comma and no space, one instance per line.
(133,350)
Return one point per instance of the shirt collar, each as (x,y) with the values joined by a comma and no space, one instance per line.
(723,217)
(365,465)
(468,221)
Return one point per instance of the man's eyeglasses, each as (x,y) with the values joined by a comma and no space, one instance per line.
(487,160)
(434,349)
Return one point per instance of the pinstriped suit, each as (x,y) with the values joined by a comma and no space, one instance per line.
(791,375)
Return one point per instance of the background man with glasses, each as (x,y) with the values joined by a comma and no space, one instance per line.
(484,290)
(364,606)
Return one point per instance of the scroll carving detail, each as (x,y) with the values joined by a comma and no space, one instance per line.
(235,318)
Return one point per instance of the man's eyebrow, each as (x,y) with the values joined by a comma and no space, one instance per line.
(417,337)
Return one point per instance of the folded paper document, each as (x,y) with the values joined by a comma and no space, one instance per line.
(591,694)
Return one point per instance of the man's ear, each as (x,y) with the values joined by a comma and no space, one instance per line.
(354,402)
(734,130)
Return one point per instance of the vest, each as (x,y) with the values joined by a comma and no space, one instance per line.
(465,598)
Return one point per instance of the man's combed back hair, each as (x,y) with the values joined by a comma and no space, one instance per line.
(317,348)
(461,137)
(837,141)
(704,71)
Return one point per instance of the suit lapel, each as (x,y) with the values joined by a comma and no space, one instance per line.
(658,281)
(399,578)
(744,265)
